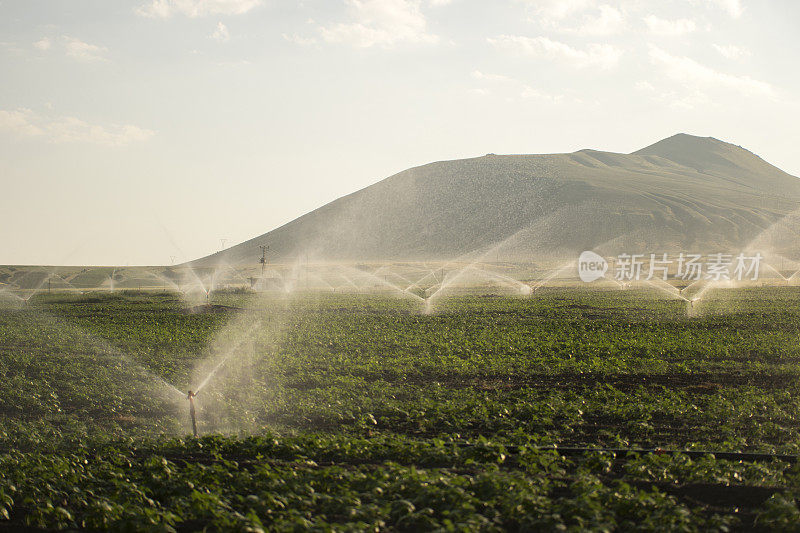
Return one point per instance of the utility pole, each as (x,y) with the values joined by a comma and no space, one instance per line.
(222,242)
(263,260)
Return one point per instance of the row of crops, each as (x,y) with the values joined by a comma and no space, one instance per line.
(357,411)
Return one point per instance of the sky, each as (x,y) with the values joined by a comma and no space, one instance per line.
(158,131)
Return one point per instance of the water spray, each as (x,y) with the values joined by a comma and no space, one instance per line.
(526,290)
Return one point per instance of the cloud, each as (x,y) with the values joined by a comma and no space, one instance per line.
(585,17)
(81,51)
(731,51)
(299,39)
(691,73)
(556,10)
(73,48)
(12,48)
(608,21)
(685,102)
(26,123)
(531,93)
(604,56)
(676,27)
(520,89)
(734,8)
(221,33)
(608,17)
(43,44)
(19,122)
(380,23)
(195,8)
(478,75)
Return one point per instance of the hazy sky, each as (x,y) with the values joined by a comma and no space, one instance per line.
(132,132)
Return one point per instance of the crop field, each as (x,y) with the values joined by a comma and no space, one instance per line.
(566,410)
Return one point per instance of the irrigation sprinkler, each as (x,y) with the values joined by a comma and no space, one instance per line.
(192,412)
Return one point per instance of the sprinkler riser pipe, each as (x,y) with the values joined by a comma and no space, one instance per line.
(192,412)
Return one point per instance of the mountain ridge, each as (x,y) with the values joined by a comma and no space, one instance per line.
(683,191)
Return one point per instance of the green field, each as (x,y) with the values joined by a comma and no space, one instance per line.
(357,411)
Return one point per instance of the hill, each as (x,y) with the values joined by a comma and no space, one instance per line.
(681,193)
